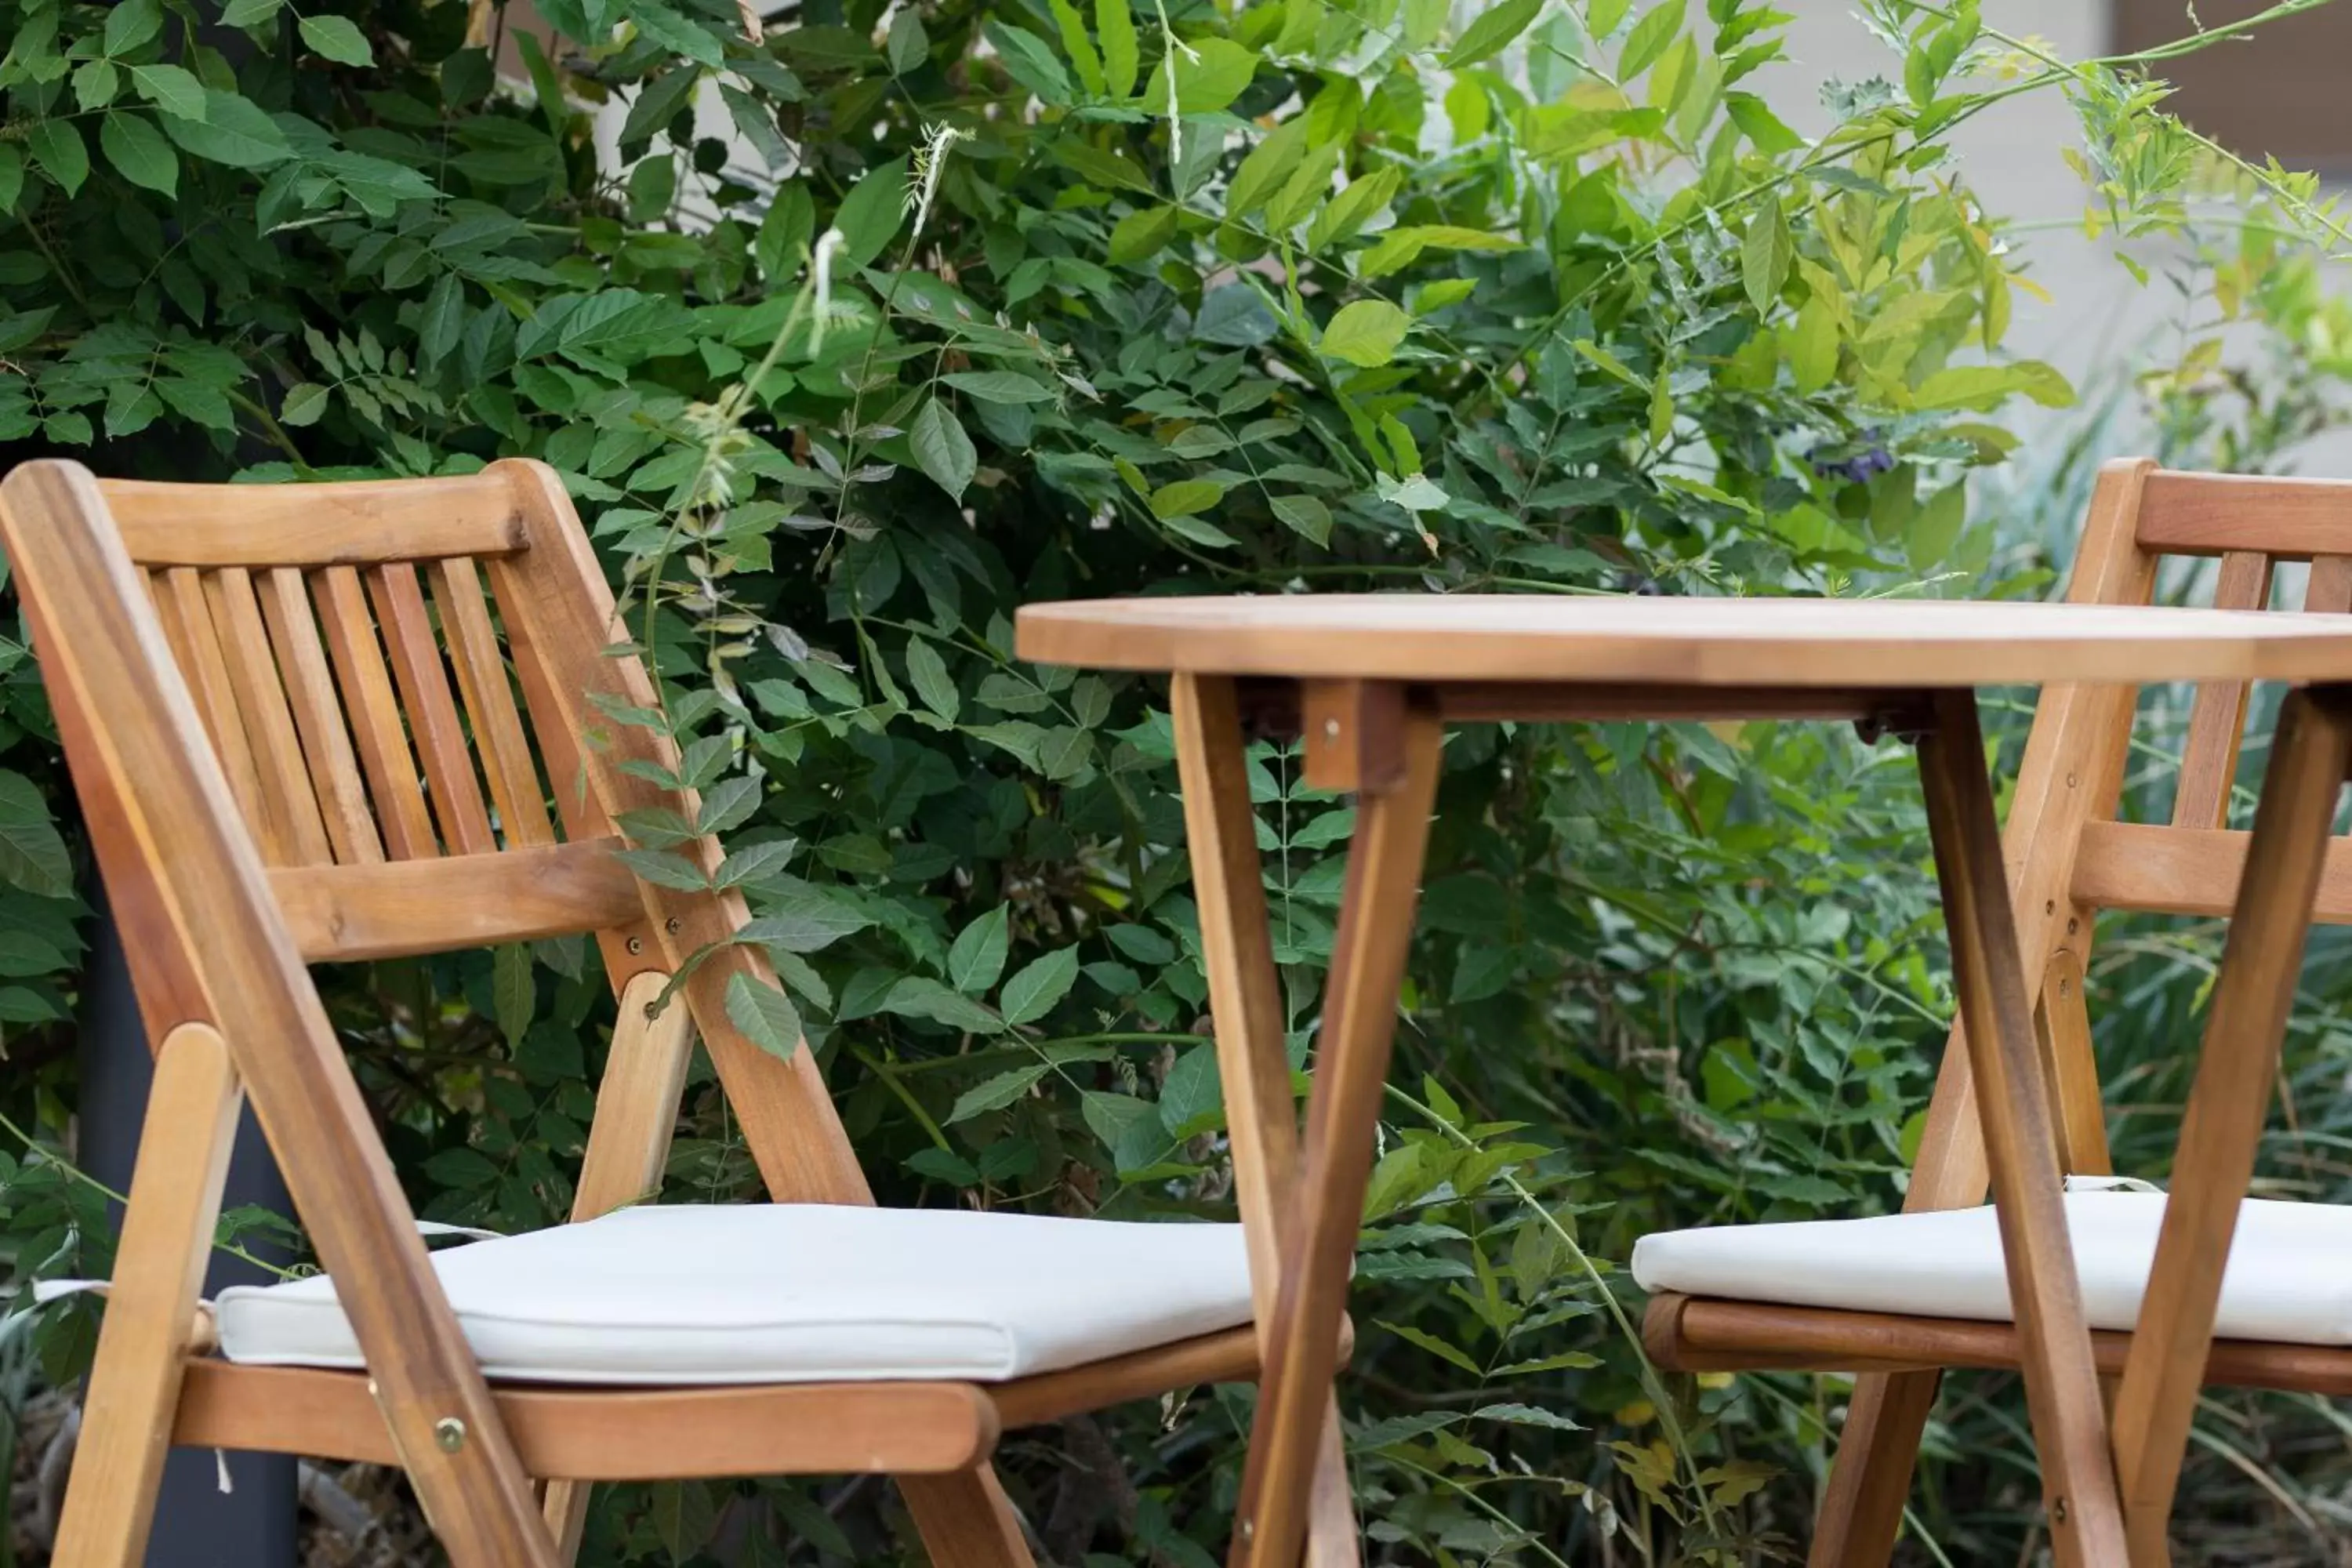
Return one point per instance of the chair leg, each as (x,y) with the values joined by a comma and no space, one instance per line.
(167,1231)
(2062,1386)
(2253,992)
(1384,866)
(1870,1479)
(565,1504)
(966,1520)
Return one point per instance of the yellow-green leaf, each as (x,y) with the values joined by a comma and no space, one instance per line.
(1365,333)
(1765,255)
(1184,498)
(1491,32)
(1269,163)
(1814,345)
(1649,39)
(1210,74)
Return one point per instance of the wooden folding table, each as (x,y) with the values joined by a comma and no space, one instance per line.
(1368,683)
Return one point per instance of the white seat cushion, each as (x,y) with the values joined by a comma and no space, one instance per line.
(793,1293)
(2289,1277)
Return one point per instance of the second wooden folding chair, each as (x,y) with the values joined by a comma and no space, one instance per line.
(1899,1299)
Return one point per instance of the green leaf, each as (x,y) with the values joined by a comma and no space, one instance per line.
(1191,1098)
(1129,1127)
(1268,165)
(1080,47)
(1141,234)
(1037,985)
(1305,515)
(1765,129)
(171,89)
(1435,1347)
(94,85)
(234,130)
(514,995)
(251,14)
(685,1515)
(941,448)
(658,102)
(1029,62)
(58,151)
(139,152)
(12,177)
(801,917)
(1491,32)
(32,854)
(996,1093)
(764,1014)
(1527,1416)
(1400,247)
(1812,345)
(339,38)
(132,23)
(1365,333)
(1609,363)
(870,215)
(676,33)
(1000,387)
(666,870)
(932,682)
(977,959)
(1210,74)
(1185,497)
(305,404)
(1649,38)
(921,996)
(1121,56)
(1765,256)
(1983,386)
(758,863)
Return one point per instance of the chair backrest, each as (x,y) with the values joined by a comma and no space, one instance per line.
(317,677)
(2069,856)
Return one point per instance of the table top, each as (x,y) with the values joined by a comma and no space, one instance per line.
(1891,644)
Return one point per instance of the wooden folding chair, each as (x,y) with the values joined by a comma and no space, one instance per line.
(1898,1298)
(250,682)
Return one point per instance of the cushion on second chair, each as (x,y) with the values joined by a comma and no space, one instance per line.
(2289,1277)
(793,1293)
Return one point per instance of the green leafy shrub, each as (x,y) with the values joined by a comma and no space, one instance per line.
(855,336)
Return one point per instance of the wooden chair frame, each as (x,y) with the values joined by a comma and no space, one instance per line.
(2068,858)
(241,744)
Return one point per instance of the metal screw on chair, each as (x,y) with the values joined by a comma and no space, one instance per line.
(1331,729)
(449,1434)
(636,945)
(1246,1528)
(2058,1510)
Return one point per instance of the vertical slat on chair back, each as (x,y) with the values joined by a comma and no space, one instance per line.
(2250,524)
(361,716)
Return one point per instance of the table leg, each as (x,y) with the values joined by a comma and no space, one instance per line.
(1245,1007)
(2062,1384)
(2253,994)
(1318,1243)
